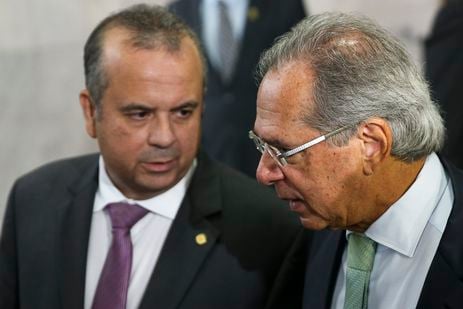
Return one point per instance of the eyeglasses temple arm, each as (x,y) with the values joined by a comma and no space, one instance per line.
(312,142)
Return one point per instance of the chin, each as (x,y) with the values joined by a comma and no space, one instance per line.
(312,224)
(158,188)
(154,186)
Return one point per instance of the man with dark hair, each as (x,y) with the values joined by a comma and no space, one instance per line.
(348,135)
(149,222)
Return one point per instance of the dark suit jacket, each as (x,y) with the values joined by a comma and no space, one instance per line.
(443,287)
(231,107)
(43,248)
(444,70)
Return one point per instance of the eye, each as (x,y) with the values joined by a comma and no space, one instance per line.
(184,113)
(138,115)
(276,150)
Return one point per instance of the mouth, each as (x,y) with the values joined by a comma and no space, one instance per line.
(160,166)
(297,205)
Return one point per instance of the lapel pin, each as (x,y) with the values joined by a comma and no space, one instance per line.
(253,13)
(201,239)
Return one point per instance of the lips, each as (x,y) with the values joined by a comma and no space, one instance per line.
(296,205)
(160,166)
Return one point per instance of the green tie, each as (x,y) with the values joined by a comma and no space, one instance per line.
(360,258)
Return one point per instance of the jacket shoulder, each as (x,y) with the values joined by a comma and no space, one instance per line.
(239,188)
(56,173)
(257,210)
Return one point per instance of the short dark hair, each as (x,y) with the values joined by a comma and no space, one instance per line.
(149,27)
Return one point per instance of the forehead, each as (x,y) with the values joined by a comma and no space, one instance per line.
(157,78)
(123,61)
(285,95)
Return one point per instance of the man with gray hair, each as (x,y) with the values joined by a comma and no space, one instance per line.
(348,135)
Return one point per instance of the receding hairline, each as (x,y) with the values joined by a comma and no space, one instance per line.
(120,38)
(350,43)
(149,27)
(129,38)
(303,71)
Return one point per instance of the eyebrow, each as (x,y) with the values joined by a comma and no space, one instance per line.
(134,106)
(139,106)
(278,144)
(190,104)
(273,142)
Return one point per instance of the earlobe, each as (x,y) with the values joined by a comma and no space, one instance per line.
(376,137)
(89,110)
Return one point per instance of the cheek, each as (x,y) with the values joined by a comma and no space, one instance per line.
(337,188)
(299,182)
(319,181)
(188,137)
(120,143)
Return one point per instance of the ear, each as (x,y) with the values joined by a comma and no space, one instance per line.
(90,113)
(376,137)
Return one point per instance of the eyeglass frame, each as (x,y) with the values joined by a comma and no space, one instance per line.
(279,156)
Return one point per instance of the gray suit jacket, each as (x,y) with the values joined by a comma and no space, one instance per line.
(43,246)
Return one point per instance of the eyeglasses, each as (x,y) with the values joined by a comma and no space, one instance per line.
(280,156)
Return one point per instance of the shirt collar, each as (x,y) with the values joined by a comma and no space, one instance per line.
(401,226)
(165,204)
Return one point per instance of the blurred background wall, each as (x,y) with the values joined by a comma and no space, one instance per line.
(41,75)
(41,71)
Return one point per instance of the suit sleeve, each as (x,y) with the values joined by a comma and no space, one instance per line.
(8,262)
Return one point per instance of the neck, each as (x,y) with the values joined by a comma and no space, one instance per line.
(387,185)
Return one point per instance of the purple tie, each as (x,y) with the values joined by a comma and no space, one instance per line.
(111,292)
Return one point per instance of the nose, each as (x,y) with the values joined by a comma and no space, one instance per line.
(268,171)
(161,133)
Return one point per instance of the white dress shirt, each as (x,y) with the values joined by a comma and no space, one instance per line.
(237,10)
(408,235)
(148,234)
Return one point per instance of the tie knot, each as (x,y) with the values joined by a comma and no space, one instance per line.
(124,216)
(360,252)
(228,44)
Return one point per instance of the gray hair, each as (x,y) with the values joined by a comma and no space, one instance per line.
(149,27)
(361,71)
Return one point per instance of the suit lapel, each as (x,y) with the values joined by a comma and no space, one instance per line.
(322,268)
(75,218)
(443,286)
(183,253)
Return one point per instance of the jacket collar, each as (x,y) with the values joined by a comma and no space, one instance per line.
(446,271)
(193,234)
